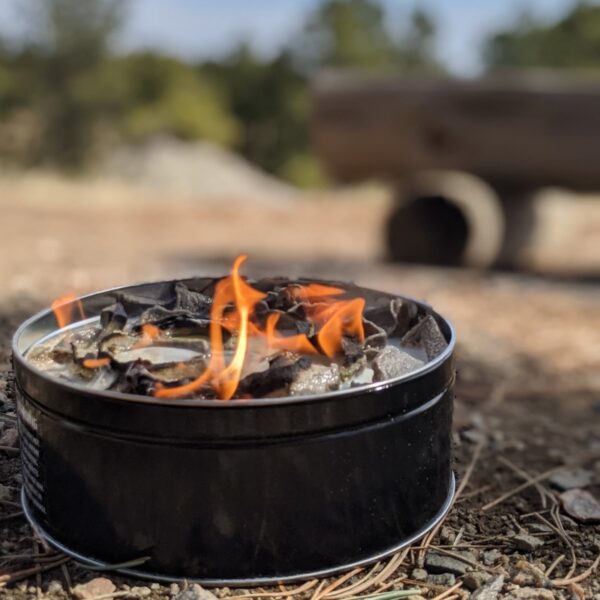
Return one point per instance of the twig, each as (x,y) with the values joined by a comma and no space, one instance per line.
(356,584)
(458,536)
(393,595)
(389,584)
(578,578)
(457,556)
(8,418)
(532,514)
(10,503)
(496,396)
(318,590)
(544,495)
(520,488)
(463,484)
(67,577)
(9,450)
(303,588)
(11,516)
(431,586)
(566,540)
(135,562)
(448,591)
(111,595)
(476,492)
(17,575)
(368,582)
(336,584)
(38,575)
(42,557)
(554,565)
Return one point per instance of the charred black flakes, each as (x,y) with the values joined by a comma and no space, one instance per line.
(353,350)
(426,334)
(134,304)
(278,376)
(113,317)
(196,303)
(399,336)
(179,321)
(375,336)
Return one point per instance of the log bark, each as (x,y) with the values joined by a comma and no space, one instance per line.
(516,133)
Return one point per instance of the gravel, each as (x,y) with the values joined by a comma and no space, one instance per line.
(581,505)
(526,542)
(490,590)
(438,563)
(570,479)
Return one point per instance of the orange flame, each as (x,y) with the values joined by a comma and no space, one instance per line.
(342,318)
(224,378)
(96,363)
(149,334)
(232,309)
(67,309)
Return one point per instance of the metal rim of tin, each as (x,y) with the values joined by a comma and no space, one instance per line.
(101,566)
(19,356)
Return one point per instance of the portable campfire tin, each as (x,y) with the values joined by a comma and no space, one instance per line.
(233,492)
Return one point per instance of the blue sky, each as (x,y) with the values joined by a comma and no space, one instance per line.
(202,28)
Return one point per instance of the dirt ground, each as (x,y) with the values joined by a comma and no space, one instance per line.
(528,386)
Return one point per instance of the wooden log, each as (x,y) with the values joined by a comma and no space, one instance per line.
(510,132)
(446,217)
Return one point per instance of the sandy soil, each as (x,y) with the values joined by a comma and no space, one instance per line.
(529,347)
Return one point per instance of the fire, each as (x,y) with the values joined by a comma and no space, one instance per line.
(67,309)
(96,363)
(233,314)
(149,334)
(232,309)
(224,378)
(339,319)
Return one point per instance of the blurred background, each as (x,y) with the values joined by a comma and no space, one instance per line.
(444,150)
(145,138)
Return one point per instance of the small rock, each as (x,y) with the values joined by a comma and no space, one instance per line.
(526,542)
(100,586)
(10,438)
(568,479)
(419,574)
(581,505)
(442,579)
(447,535)
(530,593)
(155,586)
(473,435)
(195,592)
(174,589)
(530,575)
(475,579)
(139,592)
(490,590)
(491,557)
(55,587)
(426,334)
(392,362)
(437,563)
(317,379)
